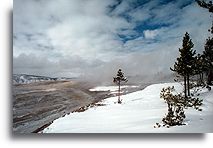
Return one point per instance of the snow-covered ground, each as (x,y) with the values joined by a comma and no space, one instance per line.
(112,89)
(138,113)
(26,79)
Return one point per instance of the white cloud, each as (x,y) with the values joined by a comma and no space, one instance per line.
(72,37)
(87,36)
(150,34)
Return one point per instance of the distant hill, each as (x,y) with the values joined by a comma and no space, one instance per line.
(25,79)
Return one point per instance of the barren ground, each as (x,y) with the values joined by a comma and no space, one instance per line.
(38,104)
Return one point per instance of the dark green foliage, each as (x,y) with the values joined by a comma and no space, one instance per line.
(175,115)
(208,57)
(118,79)
(208,48)
(185,64)
(185,61)
(207,5)
(188,65)
(176,104)
(194,102)
(200,69)
(208,52)
(199,64)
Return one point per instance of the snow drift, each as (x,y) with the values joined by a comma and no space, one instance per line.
(138,113)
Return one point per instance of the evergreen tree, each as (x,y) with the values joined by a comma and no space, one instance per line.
(208,49)
(118,79)
(208,55)
(207,5)
(200,68)
(184,65)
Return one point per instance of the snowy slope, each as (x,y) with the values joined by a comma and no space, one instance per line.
(26,79)
(137,114)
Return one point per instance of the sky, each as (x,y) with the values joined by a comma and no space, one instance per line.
(93,38)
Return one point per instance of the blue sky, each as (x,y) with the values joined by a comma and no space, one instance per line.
(83,37)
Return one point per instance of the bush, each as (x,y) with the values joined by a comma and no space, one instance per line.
(176,104)
(194,102)
(175,115)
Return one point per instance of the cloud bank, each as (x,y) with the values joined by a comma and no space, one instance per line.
(93,38)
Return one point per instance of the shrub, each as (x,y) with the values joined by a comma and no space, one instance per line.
(175,115)
(176,103)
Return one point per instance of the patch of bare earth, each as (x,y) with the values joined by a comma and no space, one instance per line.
(36,105)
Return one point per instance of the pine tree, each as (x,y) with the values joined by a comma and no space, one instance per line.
(200,68)
(208,54)
(184,65)
(206,5)
(118,79)
(208,48)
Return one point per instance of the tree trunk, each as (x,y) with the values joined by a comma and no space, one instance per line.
(119,89)
(202,77)
(209,77)
(185,86)
(188,85)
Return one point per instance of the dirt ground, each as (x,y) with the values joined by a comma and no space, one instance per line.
(36,105)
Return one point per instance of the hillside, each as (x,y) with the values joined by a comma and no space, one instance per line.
(138,113)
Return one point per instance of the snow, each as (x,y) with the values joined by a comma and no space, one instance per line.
(51,89)
(26,79)
(110,88)
(138,113)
